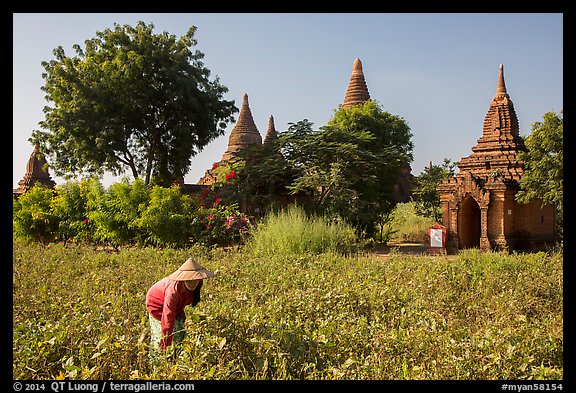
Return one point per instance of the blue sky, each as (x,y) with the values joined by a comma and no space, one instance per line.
(438,71)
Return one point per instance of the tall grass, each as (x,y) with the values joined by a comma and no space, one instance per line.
(407,226)
(292,231)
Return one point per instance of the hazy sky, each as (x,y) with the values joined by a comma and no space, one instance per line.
(437,71)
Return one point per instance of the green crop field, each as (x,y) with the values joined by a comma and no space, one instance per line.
(79,313)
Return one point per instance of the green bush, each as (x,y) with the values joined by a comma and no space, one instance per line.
(126,214)
(167,218)
(115,212)
(292,231)
(32,216)
(70,206)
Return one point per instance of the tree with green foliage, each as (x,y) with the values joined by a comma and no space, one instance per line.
(131,100)
(350,166)
(427,200)
(257,180)
(543,164)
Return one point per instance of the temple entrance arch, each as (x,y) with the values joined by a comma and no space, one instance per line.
(469,223)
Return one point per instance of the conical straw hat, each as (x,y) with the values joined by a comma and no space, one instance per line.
(190,270)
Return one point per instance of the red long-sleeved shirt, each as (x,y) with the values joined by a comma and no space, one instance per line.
(166,300)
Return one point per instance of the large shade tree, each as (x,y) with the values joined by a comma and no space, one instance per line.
(131,100)
(371,148)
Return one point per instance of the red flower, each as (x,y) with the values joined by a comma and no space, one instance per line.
(86,220)
(230,175)
(214,166)
(217,201)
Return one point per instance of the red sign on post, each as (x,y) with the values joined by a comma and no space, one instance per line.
(437,238)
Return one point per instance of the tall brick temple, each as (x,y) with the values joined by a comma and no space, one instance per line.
(479,208)
(244,133)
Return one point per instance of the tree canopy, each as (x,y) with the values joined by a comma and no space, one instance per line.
(131,100)
(367,147)
(543,163)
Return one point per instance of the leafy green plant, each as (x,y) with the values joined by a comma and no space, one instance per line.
(70,207)
(32,217)
(115,212)
(167,217)
(543,177)
(291,315)
(427,199)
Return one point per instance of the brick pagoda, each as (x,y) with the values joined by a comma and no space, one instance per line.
(478,204)
(244,134)
(271,133)
(36,172)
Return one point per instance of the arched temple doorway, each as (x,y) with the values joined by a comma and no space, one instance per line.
(469,223)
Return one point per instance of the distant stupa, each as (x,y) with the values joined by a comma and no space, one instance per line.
(357,92)
(244,133)
(271,133)
(36,172)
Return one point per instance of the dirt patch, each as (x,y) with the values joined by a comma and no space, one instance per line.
(400,248)
(413,249)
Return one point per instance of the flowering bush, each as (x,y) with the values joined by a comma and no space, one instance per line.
(231,175)
(218,221)
(209,197)
(225,189)
(220,225)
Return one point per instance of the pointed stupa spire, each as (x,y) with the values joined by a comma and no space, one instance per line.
(36,160)
(357,92)
(271,133)
(36,167)
(501,88)
(500,142)
(244,132)
(245,123)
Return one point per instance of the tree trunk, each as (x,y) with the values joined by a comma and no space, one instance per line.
(151,153)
